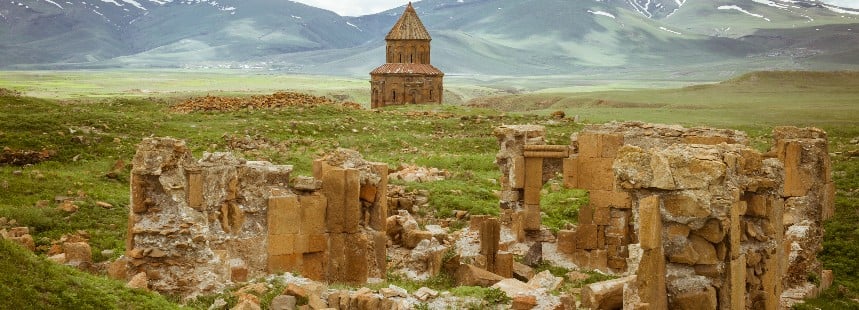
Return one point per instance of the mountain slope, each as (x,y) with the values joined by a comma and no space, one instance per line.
(496,37)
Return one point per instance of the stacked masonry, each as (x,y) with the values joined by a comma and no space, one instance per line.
(698,219)
(196,226)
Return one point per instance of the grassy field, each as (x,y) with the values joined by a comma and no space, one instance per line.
(93,120)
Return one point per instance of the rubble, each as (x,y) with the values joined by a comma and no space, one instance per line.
(273,101)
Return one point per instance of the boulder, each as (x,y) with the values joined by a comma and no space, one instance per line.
(470,275)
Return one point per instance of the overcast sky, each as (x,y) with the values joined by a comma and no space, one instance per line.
(364,7)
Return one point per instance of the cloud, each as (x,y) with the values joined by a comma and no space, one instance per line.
(355,7)
(844,3)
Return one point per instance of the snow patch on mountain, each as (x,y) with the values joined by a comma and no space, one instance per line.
(771,3)
(840,10)
(52,2)
(602,13)
(670,31)
(737,8)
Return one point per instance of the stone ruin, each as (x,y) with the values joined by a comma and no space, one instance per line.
(198,225)
(688,218)
(693,218)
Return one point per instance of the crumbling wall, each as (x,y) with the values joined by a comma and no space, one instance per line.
(702,220)
(196,226)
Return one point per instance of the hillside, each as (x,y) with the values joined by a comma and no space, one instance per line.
(488,37)
(31,282)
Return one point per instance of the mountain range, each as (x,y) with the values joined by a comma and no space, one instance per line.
(470,37)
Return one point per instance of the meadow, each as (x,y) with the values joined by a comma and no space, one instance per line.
(92,121)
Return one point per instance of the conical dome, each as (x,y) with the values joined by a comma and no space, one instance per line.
(409,27)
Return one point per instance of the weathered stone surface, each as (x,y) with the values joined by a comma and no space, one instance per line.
(700,299)
(586,237)
(283,302)
(546,280)
(413,237)
(522,272)
(606,294)
(470,275)
(705,250)
(650,223)
(513,287)
(139,281)
(712,231)
(567,241)
(77,253)
(687,205)
(524,302)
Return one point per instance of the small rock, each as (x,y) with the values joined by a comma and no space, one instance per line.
(576,276)
(104,204)
(157,253)
(68,206)
(513,287)
(461,214)
(534,255)
(283,302)
(42,204)
(546,280)
(59,258)
(139,281)
(17,172)
(305,183)
(524,302)
(107,253)
(425,293)
(394,291)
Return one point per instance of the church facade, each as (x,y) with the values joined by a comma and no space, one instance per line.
(407,77)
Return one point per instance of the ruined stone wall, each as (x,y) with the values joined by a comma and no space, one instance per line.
(400,89)
(699,218)
(196,226)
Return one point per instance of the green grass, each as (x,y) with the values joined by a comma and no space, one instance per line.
(91,134)
(31,282)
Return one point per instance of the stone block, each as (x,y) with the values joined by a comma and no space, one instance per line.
(533,174)
(586,214)
(77,253)
(138,193)
(284,263)
(490,235)
(590,145)
(596,173)
(827,203)
(712,231)
(531,219)
(609,144)
(517,172)
(238,272)
(470,275)
(737,276)
(380,242)
(334,189)
(602,216)
(283,302)
(606,199)
(368,192)
(734,232)
(714,140)
(195,189)
(567,241)
(379,212)
(413,237)
(504,264)
(650,223)
(313,266)
(357,258)
(571,172)
(524,302)
(532,196)
(311,243)
(313,214)
(281,244)
(586,237)
(336,265)
(476,221)
(706,251)
(757,205)
(650,278)
(605,294)
(686,204)
(284,214)
(796,183)
(522,272)
(703,299)
(353,215)
(826,279)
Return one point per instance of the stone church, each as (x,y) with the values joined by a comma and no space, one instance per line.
(407,77)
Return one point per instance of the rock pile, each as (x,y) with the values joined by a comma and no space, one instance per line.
(274,101)
(24,157)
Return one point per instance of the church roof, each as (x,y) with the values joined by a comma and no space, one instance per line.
(409,27)
(404,68)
